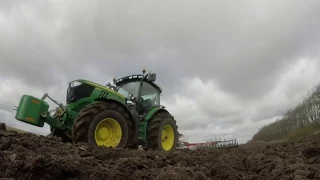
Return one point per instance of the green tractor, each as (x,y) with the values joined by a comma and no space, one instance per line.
(126,114)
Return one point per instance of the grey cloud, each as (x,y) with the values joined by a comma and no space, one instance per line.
(242,46)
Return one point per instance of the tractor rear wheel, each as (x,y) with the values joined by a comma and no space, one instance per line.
(162,133)
(102,124)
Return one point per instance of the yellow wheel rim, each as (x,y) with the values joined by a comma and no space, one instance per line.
(108,133)
(167,137)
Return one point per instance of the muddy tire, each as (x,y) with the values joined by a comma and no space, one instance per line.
(107,114)
(156,125)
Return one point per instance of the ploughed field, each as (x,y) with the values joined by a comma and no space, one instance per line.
(26,156)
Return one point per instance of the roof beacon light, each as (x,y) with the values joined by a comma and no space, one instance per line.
(144,70)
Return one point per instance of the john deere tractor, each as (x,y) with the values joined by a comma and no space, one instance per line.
(126,114)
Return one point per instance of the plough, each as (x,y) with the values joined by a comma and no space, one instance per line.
(217,144)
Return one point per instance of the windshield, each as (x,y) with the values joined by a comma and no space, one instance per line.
(129,88)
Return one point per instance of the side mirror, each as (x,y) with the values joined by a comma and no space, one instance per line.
(152,77)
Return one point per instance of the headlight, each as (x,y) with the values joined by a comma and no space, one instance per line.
(75,83)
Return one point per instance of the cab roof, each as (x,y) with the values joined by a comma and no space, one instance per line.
(135,78)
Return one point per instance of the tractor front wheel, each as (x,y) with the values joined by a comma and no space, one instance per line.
(162,133)
(60,134)
(102,124)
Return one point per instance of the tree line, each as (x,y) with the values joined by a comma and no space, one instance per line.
(303,119)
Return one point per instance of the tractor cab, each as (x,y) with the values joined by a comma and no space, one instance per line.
(141,91)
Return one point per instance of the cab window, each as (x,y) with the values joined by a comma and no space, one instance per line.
(150,97)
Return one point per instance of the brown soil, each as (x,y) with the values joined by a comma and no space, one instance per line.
(26,156)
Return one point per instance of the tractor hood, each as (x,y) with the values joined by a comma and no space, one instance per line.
(80,88)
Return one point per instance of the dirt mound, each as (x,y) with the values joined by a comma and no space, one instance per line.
(25,156)
(3,126)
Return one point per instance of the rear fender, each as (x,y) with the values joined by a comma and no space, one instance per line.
(143,124)
(153,111)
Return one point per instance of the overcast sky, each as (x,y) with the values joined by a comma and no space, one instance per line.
(227,67)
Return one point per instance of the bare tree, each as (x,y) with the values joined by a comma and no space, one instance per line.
(305,114)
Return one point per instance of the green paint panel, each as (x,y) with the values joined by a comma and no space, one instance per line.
(30,109)
(99,93)
(116,98)
(152,112)
(73,110)
(77,106)
(54,123)
(104,88)
(68,118)
(142,131)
